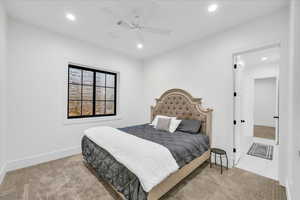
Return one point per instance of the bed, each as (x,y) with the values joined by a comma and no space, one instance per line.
(189,151)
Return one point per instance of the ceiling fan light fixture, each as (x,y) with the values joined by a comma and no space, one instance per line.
(70,16)
(212,7)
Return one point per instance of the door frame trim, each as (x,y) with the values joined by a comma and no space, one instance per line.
(241,51)
(259,47)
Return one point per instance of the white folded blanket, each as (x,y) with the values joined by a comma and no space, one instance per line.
(149,161)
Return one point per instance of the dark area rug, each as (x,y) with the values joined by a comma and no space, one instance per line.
(261,150)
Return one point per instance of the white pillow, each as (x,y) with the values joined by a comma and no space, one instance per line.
(154,122)
(174,125)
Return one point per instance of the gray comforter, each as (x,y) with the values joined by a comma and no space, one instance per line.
(184,147)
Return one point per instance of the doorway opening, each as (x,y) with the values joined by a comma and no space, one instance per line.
(256,113)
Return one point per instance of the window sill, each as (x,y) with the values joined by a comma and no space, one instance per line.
(91,120)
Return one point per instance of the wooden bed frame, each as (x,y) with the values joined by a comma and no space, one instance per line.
(179,103)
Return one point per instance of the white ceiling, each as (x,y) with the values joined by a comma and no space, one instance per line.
(188,20)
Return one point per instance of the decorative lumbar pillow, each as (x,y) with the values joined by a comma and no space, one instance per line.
(154,122)
(163,124)
(190,126)
(174,125)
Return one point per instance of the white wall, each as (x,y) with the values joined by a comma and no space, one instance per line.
(2,88)
(293,155)
(37,74)
(204,68)
(265,101)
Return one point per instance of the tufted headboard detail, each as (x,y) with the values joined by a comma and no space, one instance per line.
(179,103)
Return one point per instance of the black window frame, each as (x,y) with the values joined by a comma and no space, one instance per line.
(94,92)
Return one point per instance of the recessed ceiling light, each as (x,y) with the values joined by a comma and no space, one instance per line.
(212,7)
(70,16)
(264,58)
(139,46)
(241,63)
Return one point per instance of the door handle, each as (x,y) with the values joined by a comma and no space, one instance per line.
(243,121)
(276,117)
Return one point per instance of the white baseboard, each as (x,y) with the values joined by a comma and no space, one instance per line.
(41,158)
(2,173)
(288,188)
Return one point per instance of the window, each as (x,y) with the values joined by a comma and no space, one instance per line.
(91,93)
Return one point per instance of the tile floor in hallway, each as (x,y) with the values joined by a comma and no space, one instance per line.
(260,166)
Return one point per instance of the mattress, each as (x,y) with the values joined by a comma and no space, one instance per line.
(184,147)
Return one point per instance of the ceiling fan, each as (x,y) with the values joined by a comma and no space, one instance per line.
(134,23)
(137,26)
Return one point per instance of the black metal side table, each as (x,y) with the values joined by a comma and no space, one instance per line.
(221,153)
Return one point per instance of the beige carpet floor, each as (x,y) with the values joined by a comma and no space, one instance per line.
(264,132)
(69,179)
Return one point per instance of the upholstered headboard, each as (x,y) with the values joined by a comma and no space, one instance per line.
(179,103)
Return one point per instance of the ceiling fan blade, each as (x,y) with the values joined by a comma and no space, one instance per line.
(122,21)
(124,24)
(155,30)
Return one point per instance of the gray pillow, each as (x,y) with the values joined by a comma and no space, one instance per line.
(163,124)
(189,126)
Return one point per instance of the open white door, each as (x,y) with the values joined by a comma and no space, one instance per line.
(243,108)
(237,105)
